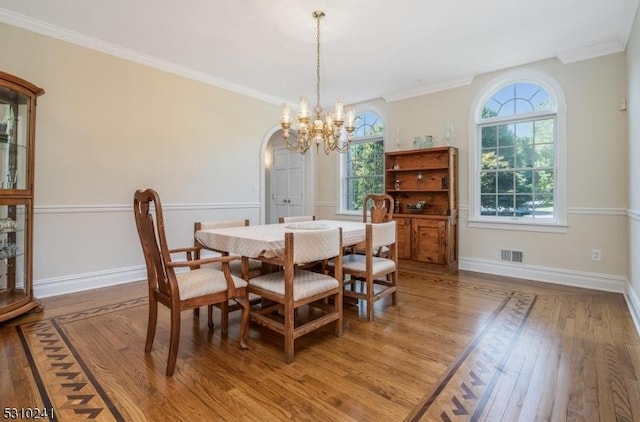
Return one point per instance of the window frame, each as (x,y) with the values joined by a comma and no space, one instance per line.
(556,224)
(344,162)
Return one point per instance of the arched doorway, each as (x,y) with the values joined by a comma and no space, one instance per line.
(287,179)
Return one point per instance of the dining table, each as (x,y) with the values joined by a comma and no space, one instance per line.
(266,241)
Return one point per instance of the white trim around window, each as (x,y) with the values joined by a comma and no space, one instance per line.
(559,222)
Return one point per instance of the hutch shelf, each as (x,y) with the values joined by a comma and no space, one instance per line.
(17,138)
(427,232)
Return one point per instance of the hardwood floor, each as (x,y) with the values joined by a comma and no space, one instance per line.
(465,346)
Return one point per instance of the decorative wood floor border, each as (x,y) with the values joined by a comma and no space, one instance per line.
(465,388)
(66,382)
(63,378)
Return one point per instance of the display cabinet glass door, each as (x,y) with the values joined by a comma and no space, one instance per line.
(14,136)
(15,288)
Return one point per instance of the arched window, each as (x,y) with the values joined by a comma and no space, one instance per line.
(518,172)
(363,165)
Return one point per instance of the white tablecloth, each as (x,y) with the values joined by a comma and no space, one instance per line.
(267,240)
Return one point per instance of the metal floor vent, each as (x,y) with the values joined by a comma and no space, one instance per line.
(511,256)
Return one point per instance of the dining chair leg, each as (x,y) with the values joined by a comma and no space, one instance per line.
(174,340)
(244,321)
(196,313)
(210,316)
(288,334)
(151,326)
(370,298)
(394,280)
(338,308)
(224,317)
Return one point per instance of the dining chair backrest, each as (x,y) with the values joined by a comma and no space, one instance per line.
(255,267)
(377,208)
(315,245)
(383,234)
(153,240)
(296,219)
(219,224)
(215,224)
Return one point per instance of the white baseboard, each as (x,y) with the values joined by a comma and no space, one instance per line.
(81,282)
(596,281)
(633,302)
(587,280)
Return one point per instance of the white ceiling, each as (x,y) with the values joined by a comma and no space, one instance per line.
(369,49)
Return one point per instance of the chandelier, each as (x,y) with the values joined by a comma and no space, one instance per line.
(319,130)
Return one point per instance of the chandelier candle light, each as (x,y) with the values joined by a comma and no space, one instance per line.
(318,131)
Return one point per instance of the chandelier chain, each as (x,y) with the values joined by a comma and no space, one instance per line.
(318,16)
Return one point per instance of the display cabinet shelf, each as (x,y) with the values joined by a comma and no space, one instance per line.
(402,170)
(420,190)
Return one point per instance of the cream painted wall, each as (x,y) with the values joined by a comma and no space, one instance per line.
(106,127)
(633,111)
(596,168)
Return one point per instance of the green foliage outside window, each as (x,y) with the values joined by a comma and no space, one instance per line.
(517,173)
(364,171)
(517,157)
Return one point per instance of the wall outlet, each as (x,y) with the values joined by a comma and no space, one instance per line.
(596,255)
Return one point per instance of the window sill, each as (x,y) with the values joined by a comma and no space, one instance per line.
(518,225)
(357,215)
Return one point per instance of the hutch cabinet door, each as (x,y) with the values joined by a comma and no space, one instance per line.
(403,227)
(429,240)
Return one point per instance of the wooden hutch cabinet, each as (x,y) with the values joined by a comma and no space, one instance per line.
(427,234)
(17,137)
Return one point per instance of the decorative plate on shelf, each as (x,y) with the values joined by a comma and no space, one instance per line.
(310,225)
(416,208)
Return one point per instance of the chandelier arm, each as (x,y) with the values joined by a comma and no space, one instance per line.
(299,146)
(292,147)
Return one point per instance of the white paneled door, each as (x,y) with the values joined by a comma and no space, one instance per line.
(287,183)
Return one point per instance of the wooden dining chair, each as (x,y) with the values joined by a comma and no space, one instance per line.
(296,219)
(255,266)
(185,290)
(372,277)
(292,288)
(375,209)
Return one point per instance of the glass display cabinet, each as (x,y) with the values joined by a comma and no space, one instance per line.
(17,140)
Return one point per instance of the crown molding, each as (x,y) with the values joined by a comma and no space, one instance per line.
(590,52)
(53,31)
(429,89)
